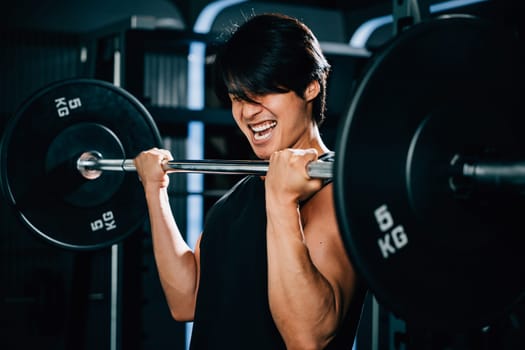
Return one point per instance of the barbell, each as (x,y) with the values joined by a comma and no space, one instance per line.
(91,164)
(428,170)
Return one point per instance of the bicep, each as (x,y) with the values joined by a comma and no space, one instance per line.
(197,254)
(326,248)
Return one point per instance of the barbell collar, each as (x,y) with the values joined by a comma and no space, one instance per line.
(316,169)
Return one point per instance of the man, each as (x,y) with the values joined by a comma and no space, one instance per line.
(270,270)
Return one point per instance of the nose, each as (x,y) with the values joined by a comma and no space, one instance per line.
(248,109)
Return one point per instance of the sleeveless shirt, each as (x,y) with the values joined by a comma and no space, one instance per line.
(232,310)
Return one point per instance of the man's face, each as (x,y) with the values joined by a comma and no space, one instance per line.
(274,121)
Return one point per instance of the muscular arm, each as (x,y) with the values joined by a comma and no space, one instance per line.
(311,281)
(177,265)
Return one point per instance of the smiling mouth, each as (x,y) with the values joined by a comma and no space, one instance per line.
(263,130)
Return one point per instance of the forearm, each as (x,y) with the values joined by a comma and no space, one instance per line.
(303,303)
(175,260)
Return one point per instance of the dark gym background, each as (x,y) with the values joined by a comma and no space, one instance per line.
(53,298)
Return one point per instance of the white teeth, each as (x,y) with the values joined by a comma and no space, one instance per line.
(260,137)
(263,126)
(262,131)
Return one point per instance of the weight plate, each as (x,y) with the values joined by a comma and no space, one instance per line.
(445,87)
(61,158)
(39,150)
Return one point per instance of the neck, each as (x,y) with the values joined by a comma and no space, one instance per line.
(317,142)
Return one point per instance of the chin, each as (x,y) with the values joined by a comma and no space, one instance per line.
(262,155)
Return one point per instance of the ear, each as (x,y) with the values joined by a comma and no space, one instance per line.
(312,90)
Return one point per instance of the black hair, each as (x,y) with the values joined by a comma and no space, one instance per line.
(273,53)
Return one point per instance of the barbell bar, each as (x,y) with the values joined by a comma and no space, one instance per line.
(91,164)
(427,172)
(480,175)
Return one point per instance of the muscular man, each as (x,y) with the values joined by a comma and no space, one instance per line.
(270,270)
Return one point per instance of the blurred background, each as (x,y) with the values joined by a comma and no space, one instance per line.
(162,52)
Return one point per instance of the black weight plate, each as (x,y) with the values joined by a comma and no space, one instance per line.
(63,153)
(43,184)
(435,258)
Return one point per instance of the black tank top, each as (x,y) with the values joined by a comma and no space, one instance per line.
(232,310)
